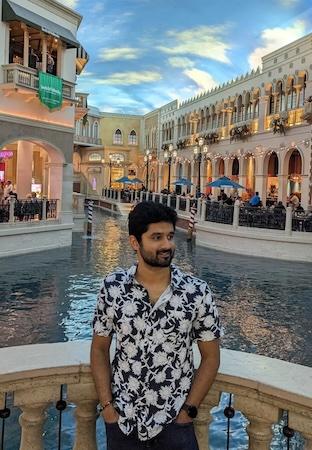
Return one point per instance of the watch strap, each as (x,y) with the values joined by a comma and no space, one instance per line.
(102,406)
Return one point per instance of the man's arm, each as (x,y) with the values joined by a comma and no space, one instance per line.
(204,377)
(101,372)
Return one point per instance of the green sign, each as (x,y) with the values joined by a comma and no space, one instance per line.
(50,90)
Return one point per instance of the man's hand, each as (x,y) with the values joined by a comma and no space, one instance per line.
(183,417)
(110,415)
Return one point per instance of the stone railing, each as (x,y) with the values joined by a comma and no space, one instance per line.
(29,210)
(263,389)
(79,139)
(28,77)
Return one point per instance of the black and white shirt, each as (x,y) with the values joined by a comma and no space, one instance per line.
(153,364)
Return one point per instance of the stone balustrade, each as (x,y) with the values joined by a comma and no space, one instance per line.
(263,388)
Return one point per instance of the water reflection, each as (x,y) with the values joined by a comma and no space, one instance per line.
(50,296)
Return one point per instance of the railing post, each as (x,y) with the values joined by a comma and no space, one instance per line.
(178,203)
(187,207)
(44,209)
(119,196)
(153,197)
(147,196)
(288,224)
(204,418)
(261,417)
(85,398)
(236,216)
(168,199)
(11,212)
(160,198)
(203,211)
(199,202)
(141,196)
(303,424)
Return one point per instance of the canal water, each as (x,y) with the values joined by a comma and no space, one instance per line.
(265,305)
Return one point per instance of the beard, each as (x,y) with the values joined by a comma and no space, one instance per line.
(162,258)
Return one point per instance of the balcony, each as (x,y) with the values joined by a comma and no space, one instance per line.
(263,390)
(87,140)
(16,76)
(307,112)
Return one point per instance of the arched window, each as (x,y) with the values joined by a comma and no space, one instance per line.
(271,104)
(179,127)
(256,109)
(78,127)
(95,157)
(291,96)
(280,98)
(132,138)
(248,107)
(117,137)
(220,117)
(239,109)
(85,128)
(235,167)
(96,130)
(302,91)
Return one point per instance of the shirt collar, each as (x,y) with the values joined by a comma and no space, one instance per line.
(176,276)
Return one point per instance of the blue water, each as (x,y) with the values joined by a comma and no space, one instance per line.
(265,305)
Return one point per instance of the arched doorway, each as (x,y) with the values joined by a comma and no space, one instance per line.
(33,167)
(235,170)
(294,174)
(272,178)
(221,168)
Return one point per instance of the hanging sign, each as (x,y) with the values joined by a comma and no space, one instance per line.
(6,154)
(50,90)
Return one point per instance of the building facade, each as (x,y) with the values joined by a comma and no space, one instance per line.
(39,60)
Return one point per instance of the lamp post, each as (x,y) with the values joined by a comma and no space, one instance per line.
(110,170)
(147,159)
(198,155)
(169,154)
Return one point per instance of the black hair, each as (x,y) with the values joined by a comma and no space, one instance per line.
(145,213)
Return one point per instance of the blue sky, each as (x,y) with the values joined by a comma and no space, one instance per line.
(145,53)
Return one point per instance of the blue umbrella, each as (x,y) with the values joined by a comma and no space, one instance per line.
(137,181)
(124,180)
(225,182)
(182,182)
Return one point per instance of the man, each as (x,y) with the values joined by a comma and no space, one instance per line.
(255,200)
(156,312)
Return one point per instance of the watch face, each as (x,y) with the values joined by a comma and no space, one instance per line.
(192,411)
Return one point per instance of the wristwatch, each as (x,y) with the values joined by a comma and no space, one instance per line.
(191,410)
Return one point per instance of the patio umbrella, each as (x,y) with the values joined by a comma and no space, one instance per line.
(225,182)
(183,182)
(124,180)
(137,181)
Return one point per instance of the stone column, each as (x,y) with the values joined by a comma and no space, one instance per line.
(303,424)
(261,417)
(193,177)
(26,45)
(24,168)
(282,188)
(203,211)
(288,223)
(178,203)
(203,176)
(44,52)
(67,194)
(236,216)
(263,102)
(31,421)
(59,59)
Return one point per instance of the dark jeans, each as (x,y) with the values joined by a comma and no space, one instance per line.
(173,437)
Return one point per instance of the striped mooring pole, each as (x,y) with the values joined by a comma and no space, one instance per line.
(90,213)
(191,224)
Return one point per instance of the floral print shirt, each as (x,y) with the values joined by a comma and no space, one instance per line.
(153,369)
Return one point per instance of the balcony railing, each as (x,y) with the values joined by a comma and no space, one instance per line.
(87,140)
(263,389)
(307,111)
(29,210)
(28,77)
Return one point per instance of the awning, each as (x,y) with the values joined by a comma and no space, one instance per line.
(11,11)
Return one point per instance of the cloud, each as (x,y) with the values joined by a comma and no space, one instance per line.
(288,3)
(69,3)
(180,62)
(203,41)
(203,79)
(275,38)
(130,78)
(86,74)
(110,54)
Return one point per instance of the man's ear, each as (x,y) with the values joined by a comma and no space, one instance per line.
(134,243)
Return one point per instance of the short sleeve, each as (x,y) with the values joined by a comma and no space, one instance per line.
(104,313)
(206,325)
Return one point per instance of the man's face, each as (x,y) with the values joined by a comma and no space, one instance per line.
(157,245)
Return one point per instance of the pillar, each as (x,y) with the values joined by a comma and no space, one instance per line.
(194,177)
(59,59)
(44,53)
(67,194)
(24,168)
(282,188)
(263,101)
(26,45)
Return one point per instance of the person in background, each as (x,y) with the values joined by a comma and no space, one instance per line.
(294,200)
(279,207)
(255,200)
(150,394)
(299,209)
